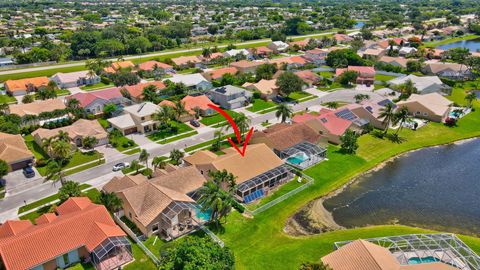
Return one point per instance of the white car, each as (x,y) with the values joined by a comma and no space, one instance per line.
(120,166)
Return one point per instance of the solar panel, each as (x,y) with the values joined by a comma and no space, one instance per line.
(384,102)
(369,108)
(324,120)
(346,114)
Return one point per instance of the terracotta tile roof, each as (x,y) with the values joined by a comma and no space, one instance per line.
(149,65)
(246,64)
(266,87)
(37,107)
(263,50)
(81,127)
(308,76)
(166,102)
(334,124)
(120,183)
(192,102)
(183,60)
(218,73)
(258,159)
(79,223)
(362,70)
(14,227)
(282,136)
(13,148)
(342,37)
(183,180)
(21,84)
(216,55)
(300,43)
(45,218)
(86,98)
(136,90)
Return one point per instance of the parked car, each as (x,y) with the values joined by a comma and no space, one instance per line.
(28,172)
(120,166)
(194,123)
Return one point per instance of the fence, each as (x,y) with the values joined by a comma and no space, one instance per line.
(284,196)
(135,238)
(212,235)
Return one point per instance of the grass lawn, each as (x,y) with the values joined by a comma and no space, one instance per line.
(162,134)
(7,99)
(326,74)
(37,73)
(37,151)
(216,118)
(260,104)
(383,78)
(334,85)
(96,86)
(103,122)
(283,189)
(299,95)
(62,92)
(142,261)
(204,144)
(260,243)
(179,137)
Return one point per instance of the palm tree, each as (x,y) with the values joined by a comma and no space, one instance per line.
(61,150)
(91,73)
(401,116)
(179,109)
(225,179)
(470,97)
(144,157)
(89,142)
(3,107)
(159,162)
(111,201)
(73,104)
(284,111)
(387,114)
(407,89)
(135,166)
(54,172)
(176,156)
(314,266)
(62,136)
(163,115)
(243,123)
(331,104)
(69,189)
(218,136)
(206,52)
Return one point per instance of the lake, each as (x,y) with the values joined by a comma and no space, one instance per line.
(359,25)
(437,188)
(473,45)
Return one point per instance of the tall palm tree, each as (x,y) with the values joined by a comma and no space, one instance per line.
(470,97)
(144,157)
(61,150)
(159,163)
(387,114)
(135,166)
(218,137)
(54,172)
(176,156)
(225,179)
(163,115)
(243,123)
(284,111)
(179,109)
(73,104)
(401,116)
(111,201)
(206,52)
(407,89)
(332,104)
(62,136)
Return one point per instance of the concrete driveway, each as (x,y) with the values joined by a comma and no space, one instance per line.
(348,96)
(109,152)
(16,181)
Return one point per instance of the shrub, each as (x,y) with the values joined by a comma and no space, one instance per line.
(256,95)
(125,144)
(41,162)
(147,172)
(105,80)
(90,116)
(450,122)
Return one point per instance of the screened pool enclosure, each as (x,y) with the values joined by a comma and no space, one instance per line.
(303,155)
(112,253)
(424,248)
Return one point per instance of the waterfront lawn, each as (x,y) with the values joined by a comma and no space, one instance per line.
(261,243)
(449,40)
(216,118)
(7,99)
(260,104)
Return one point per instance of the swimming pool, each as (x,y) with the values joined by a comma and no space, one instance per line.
(417,260)
(298,158)
(203,215)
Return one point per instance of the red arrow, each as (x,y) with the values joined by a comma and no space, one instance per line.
(235,129)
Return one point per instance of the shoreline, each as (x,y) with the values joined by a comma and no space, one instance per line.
(318,216)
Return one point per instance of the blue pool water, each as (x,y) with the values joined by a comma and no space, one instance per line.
(417,260)
(203,215)
(359,25)
(297,158)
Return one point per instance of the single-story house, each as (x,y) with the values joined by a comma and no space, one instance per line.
(244,66)
(257,172)
(364,255)
(369,111)
(193,81)
(316,56)
(262,51)
(432,106)
(230,97)
(235,52)
(77,131)
(153,65)
(424,84)
(268,88)
(75,79)
(372,53)
(296,143)
(36,108)
(342,38)
(163,205)
(93,102)
(331,124)
(301,43)
(366,75)
(136,118)
(136,91)
(24,86)
(308,77)
(116,66)
(80,230)
(278,46)
(14,151)
(185,117)
(394,61)
(217,74)
(407,51)
(185,61)
(451,71)
(292,62)
(200,102)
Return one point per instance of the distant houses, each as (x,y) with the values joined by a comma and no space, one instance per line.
(423,84)
(230,97)
(366,75)
(94,102)
(196,82)
(25,86)
(75,79)
(432,106)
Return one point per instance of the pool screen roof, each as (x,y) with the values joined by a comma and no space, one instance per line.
(446,247)
(104,248)
(262,178)
(306,147)
(174,208)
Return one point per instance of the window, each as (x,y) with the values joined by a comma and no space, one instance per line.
(143,118)
(155,228)
(129,215)
(201,171)
(417,113)
(425,114)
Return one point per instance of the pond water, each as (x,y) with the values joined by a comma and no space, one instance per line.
(359,25)
(437,188)
(473,45)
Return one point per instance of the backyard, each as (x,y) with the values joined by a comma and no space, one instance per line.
(260,104)
(256,241)
(216,118)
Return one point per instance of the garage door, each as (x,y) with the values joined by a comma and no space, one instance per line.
(20,165)
(130,130)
